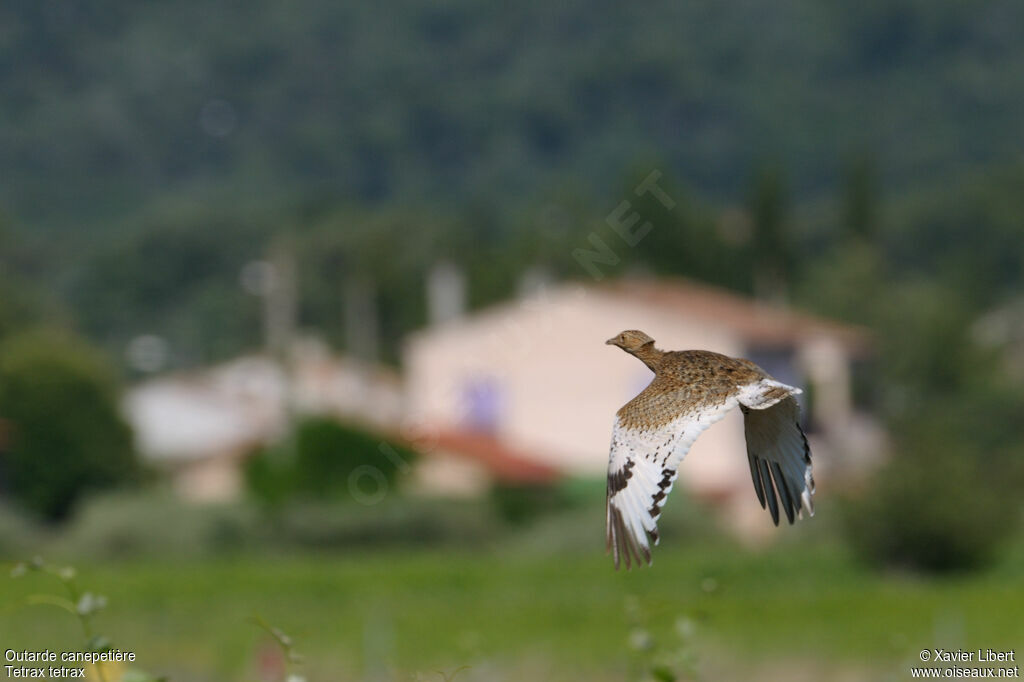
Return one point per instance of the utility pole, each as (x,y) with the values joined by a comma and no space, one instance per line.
(280,305)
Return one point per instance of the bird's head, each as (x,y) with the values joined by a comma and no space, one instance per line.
(630,340)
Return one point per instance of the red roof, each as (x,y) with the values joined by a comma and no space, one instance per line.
(505,463)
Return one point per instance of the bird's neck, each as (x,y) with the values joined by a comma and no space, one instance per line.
(649,355)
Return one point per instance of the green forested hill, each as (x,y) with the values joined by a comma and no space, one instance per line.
(862,159)
(149,150)
(110,105)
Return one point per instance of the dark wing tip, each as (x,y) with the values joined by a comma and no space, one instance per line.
(769,491)
(622,543)
(789,502)
(755,475)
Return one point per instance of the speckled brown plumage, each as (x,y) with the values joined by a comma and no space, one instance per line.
(684,380)
(690,391)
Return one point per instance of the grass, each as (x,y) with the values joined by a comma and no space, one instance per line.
(787,612)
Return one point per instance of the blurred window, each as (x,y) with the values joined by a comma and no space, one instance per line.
(483,399)
(780,362)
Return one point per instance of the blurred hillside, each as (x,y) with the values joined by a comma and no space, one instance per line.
(113,106)
(150,151)
(226,228)
(859,162)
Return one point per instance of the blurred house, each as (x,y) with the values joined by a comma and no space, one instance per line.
(534,377)
(198,426)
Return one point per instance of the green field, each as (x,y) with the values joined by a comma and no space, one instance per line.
(786,613)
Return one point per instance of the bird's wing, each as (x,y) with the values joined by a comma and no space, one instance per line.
(645,455)
(780,459)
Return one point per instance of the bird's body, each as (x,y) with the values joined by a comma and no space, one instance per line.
(653,432)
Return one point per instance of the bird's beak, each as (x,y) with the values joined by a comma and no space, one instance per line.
(610,342)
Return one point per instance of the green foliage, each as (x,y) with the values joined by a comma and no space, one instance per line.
(396,523)
(774,260)
(176,276)
(18,533)
(660,656)
(270,476)
(968,237)
(20,307)
(685,238)
(325,459)
(705,88)
(131,525)
(947,499)
(860,199)
(521,503)
(518,615)
(286,645)
(59,399)
(124,524)
(84,606)
(344,248)
(709,82)
(929,509)
(328,456)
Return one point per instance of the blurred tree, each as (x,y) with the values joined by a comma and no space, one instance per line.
(22,304)
(367,258)
(928,511)
(704,80)
(847,282)
(20,307)
(948,495)
(323,458)
(330,456)
(656,225)
(177,276)
(519,504)
(270,475)
(967,236)
(59,398)
(772,256)
(860,211)
(934,506)
(680,239)
(356,258)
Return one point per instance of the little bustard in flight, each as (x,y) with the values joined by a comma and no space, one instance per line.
(692,390)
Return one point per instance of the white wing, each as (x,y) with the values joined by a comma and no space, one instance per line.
(641,471)
(643,462)
(780,459)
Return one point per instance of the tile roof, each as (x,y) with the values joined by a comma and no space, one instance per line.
(505,463)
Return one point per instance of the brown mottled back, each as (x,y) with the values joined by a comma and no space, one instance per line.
(683,381)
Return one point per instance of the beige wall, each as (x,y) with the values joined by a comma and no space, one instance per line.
(560,383)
